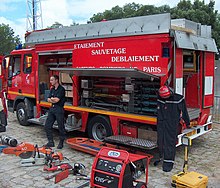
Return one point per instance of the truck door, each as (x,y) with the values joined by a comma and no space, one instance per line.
(28,81)
(14,77)
(208,79)
(2,74)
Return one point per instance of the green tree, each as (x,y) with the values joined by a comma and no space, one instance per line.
(56,25)
(147,10)
(74,23)
(199,12)
(216,32)
(115,13)
(8,40)
(129,10)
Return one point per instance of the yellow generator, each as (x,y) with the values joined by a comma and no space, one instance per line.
(187,179)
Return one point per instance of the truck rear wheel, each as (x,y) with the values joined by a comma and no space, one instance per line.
(21,113)
(99,127)
(141,185)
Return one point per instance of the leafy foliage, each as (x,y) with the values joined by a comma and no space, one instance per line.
(129,10)
(56,25)
(59,25)
(197,11)
(201,13)
(8,40)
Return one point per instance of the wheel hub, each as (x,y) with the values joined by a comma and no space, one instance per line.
(99,132)
(21,114)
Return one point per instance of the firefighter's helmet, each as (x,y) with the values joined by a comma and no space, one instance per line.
(164,92)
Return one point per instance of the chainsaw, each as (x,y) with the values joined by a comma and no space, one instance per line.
(26,150)
(48,160)
(33,155)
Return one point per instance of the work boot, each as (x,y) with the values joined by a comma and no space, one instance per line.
(167,166)
(50,144)
(60,145)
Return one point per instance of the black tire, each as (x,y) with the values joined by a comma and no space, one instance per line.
(99,127)
(141,185)
(21,113)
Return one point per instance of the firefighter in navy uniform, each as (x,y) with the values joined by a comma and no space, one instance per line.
(171,108)
(56,112)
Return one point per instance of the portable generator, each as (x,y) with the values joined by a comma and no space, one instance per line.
(187,179)
(118,168)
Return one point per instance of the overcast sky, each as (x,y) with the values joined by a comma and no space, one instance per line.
(14,12)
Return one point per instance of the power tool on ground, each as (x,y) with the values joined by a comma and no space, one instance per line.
(119,168)
(26,150)
(78,169)
(51,159)
(9,141)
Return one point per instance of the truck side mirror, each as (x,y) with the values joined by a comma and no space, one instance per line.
(9,82)
(4,64)
(10,74)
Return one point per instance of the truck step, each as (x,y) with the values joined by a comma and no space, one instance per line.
(35,121)
(39,121)
(134,142)
(68,128)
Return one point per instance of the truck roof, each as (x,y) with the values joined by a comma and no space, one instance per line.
(142,25)
(22,50)
(159,23)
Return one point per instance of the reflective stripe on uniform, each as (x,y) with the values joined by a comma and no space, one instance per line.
(168,161)
(172,102)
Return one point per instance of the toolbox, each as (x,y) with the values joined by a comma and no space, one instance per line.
(189,180)
(186,179)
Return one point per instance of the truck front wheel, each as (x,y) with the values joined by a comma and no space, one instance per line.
(99,127)
(21,113)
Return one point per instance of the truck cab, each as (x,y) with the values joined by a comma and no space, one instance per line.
(21,79)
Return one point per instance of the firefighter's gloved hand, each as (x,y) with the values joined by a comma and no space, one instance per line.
(189,125)
(183,123)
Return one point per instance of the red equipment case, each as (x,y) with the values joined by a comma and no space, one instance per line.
(118,168)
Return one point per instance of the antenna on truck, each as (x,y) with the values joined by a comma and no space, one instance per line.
(34,15)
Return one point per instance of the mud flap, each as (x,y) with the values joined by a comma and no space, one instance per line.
(29,107)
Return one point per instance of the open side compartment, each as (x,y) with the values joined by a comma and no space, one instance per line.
(49,61)
(118,90)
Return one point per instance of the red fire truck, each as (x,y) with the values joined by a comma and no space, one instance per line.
(111,72)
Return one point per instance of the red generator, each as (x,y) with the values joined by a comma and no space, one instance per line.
(114,168)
